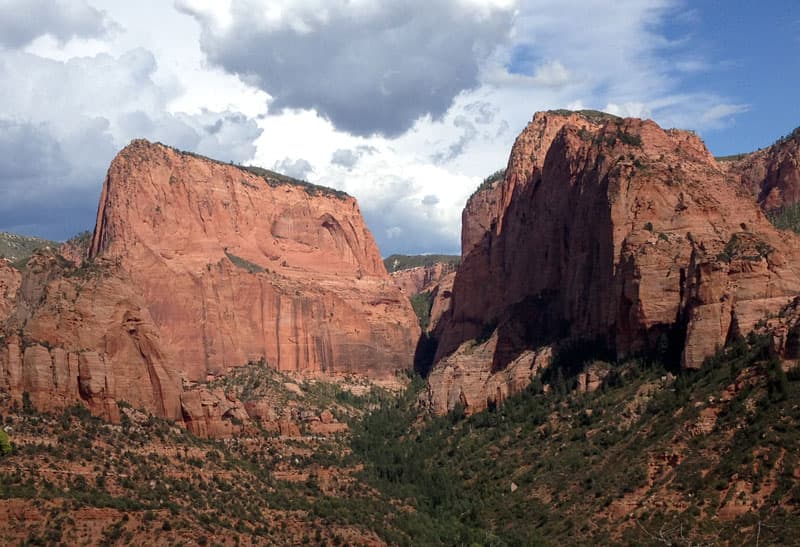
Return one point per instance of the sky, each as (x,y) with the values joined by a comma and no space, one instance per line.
(405,104)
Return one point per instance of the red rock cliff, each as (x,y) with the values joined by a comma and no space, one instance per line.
(85,335)
(234,266)
(422,278)
(772,175)
(618,231)
(9,283)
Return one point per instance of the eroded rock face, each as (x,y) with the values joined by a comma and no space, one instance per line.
(85,336)
(422,278)
(619,232)
(234,268)
(10,279)
(466,378)
(772,175)
(441,293)
(212,413)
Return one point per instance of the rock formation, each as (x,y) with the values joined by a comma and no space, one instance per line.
(772,175)
(422,278)
(235,266)
(466,377)
(196,267)
(85,335)
(436,280)
(619,233)
(9,283)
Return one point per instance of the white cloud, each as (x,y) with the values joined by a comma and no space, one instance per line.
(297,168)
(722,114)
(59,134)
(406,105)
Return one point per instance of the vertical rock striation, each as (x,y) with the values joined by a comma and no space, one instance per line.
(235,266)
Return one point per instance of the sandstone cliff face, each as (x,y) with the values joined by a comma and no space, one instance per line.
(234,267)
(619,232)
(441,294)
(772,175)
(466,377)
(85,335)
(196,267)
(437,280)
(422,278)
(9,284)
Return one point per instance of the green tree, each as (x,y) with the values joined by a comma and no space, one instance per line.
(5,444)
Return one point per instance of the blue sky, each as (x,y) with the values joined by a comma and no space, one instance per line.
(405,104)
(753,53)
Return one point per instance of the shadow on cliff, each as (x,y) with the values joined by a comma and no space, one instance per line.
(425,353)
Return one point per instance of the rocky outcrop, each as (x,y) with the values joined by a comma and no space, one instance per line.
(465,378)
(621,233)
(76,249)
(235,266)
(85,336)
(422,278)
(10,279)
(436,280)
(772,175)
(441,293)
(212,413)
(783,331)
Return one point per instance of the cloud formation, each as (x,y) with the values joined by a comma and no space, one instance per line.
(406,105)
(348,157)
(58,134)
(368,67)
(297,168)
(22,21)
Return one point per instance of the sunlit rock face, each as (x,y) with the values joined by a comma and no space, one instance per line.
(619,232)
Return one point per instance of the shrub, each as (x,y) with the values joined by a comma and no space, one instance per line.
(5,443)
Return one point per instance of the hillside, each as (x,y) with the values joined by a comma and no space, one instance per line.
(649,457)
(397,262)
(75,479)
(16,247)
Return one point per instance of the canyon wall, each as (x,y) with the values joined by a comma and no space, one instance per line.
(85,336)
(613,232)
(772,175)
(235,266)
(196,267)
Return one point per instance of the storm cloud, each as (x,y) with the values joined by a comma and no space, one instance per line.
(369,68)
(58,136)
(22,21)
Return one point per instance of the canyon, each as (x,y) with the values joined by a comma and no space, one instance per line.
(225,359)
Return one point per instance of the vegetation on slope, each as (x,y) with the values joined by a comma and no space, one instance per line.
(489,181)
(707,457)
(18,248)
(74,479)
(794,135)
(422,304)
(732,157)
(597,116)
(787,218)
(398,262)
